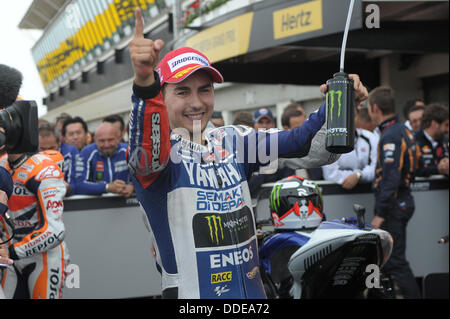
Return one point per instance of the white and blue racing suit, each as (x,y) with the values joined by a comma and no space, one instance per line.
(197,200)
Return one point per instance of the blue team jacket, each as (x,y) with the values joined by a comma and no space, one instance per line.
(94,170)
(70,154)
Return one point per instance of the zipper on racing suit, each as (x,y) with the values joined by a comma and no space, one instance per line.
(228,217)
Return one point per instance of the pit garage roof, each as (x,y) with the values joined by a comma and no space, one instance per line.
(40,13)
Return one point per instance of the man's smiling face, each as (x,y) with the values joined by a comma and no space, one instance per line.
(189,101)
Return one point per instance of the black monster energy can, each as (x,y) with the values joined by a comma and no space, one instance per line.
(340,114)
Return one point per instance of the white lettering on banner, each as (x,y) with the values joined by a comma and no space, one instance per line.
(186,59)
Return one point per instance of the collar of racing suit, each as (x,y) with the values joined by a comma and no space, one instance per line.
(432,141)
(390,121)
(22,159)
(206,152)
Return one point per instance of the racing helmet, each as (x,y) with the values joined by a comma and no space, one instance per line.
(296,203)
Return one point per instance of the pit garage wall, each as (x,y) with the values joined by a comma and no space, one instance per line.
(405,74)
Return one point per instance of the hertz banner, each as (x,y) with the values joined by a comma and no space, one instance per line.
(272,24)
(298,19)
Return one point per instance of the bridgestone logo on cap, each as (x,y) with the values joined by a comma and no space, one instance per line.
(186,59)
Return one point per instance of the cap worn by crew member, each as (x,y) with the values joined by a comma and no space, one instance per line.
(259,114)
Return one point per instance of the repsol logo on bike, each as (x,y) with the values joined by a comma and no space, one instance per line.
(214,230)
(219,201)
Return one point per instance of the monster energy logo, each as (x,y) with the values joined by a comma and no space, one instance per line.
(330,99)
(275,197)
(214,231)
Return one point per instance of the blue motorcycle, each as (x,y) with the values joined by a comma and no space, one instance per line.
(305,257)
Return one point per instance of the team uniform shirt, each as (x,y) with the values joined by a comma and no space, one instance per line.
(94,170)
(36,209)
(362,159)
(197,200)
(432,153)
(397,160)
(70,154)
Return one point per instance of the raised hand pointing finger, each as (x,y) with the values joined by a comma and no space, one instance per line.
(139,29)
(144,53)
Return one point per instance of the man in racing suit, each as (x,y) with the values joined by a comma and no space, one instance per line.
(195,192)
(36,207)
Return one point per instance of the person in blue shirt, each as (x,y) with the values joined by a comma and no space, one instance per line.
(102,167)
(70,154)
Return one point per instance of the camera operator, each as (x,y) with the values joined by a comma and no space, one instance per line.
(36,204)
